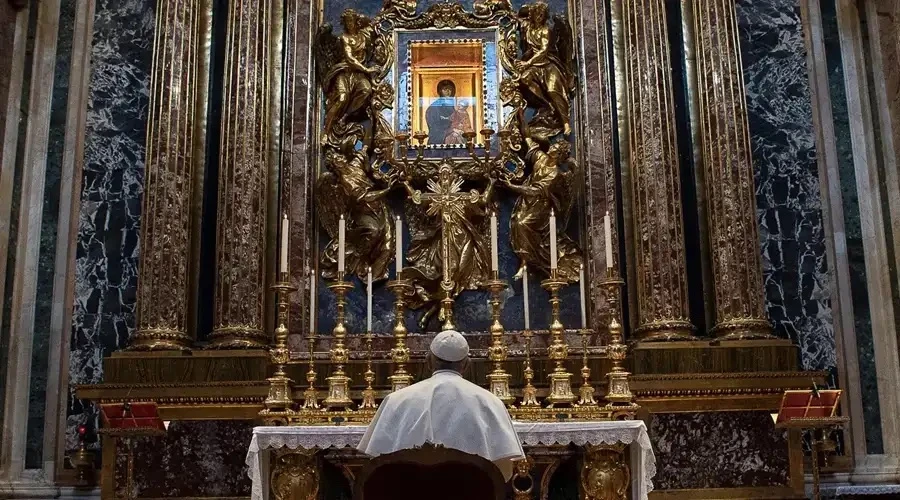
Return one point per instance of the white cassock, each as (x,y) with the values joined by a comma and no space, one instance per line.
(447,410)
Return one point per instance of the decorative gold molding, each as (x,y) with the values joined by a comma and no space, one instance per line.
(728,174)
(168,218)
(244,170)
(661,272)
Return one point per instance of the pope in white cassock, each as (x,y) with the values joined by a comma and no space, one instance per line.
(447,410)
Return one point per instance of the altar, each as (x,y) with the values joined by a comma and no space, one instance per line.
(620,450)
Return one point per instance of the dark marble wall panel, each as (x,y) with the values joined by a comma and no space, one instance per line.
(852,229)
(718,450)
(787,182)
(200,458)
(107,253)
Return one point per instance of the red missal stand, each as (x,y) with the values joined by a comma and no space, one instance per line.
(128,421)
(813,410)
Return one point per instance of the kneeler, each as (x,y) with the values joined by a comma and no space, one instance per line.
(430,473)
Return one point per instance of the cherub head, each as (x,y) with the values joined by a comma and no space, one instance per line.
(559,150)
(350,20)
(539,13)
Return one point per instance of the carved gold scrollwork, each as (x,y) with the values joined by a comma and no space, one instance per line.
(605,474)
(295,475)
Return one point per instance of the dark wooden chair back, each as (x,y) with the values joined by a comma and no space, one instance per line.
(429,473)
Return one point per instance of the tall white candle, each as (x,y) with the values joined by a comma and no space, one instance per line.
(607,230)
(399,258)
(583,309)
(285,227)
(495,258)
(312,301)
(552,240)
(525,297)
(369,301)
(342,235)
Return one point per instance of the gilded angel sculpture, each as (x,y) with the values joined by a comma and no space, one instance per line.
(547,188)
(347,188)
(348,81)
(546,70)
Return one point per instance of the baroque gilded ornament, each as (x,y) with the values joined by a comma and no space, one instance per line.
(446,198)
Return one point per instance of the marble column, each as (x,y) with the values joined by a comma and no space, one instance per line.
(244,176)
(169,207)
(728,173)
(660,268)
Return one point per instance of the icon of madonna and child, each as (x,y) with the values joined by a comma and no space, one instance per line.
(448,116)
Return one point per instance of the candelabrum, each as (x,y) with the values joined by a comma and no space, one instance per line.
(279,397)
(311,395)
(447,287)
(368,401)
(529,392)
(400,353)
(401,162)
(486,161)
(339,383)
(558,350)
(619,392)
(586,392)
(498,378)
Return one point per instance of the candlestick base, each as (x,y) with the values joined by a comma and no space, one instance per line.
(560,389)
(279,397)
(338,391)
(311,399)
(400,352)
(368,401)
(499,384)
(619,391)
(558,350)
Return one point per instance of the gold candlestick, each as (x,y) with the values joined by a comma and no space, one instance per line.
(558,350)
(339,383)
(498,379)
(529,392)
(368,401)
(400,353)
(586,392)
(619,392)
(279,397)
(311,395)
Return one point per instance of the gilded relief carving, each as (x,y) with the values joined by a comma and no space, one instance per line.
(295,475)
(605,474)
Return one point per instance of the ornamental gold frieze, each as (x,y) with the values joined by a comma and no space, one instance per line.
(242,218)
(169,215)
(659,245)
(728,173)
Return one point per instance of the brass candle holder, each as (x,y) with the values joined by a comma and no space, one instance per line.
(368,401)
(586,392)
(558,350)
(447,305)
(279,397)
(529,392)
(339,383)
(619,392)
(498,379)
(311,395)
(400,352)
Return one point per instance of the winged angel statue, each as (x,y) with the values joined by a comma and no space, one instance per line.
(355,95)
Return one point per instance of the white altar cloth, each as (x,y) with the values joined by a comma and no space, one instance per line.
(642,459)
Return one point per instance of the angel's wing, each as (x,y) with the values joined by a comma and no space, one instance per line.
(330,203)
(563,42)
(328,52)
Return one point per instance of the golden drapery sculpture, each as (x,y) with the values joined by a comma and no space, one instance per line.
(546,190)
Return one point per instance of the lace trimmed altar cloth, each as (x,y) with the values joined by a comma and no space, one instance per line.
(642,459)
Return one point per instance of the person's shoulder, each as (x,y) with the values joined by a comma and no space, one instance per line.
(408,392)
(479,392)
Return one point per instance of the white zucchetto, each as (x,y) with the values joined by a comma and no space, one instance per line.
(450,345)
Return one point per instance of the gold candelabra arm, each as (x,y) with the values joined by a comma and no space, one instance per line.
(586,392)
(529,392)
(558,349)
(339,383)
(619,392)
(368,401)
(498,379)
(400,352)
(280,385)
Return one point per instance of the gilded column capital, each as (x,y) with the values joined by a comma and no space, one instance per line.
(728,173)
(172,166)
(661,270)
